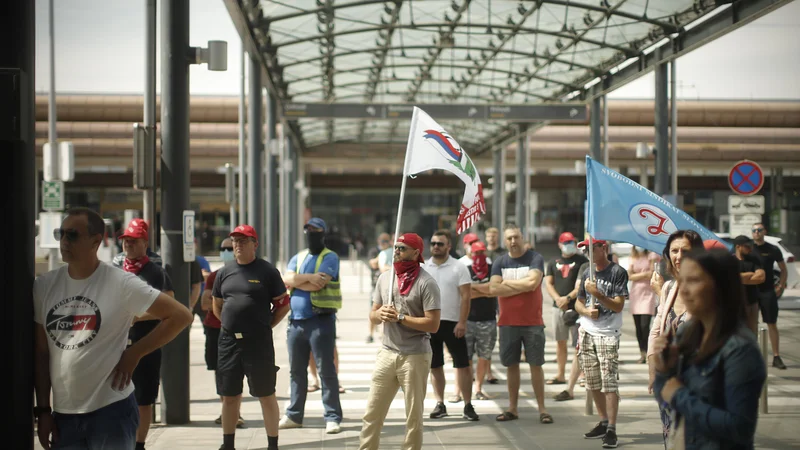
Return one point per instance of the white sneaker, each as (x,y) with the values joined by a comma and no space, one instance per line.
(287,423)
(332,428)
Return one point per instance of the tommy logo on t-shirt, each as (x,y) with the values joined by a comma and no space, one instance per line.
(73,322)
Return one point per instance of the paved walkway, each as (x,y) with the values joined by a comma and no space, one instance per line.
(638,425)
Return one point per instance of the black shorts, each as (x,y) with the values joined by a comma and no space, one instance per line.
(252,356)
(456,346)
(146,378)
(212,337)
(768,303)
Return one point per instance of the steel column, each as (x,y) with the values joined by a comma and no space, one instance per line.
(271,169)
(256,150)
(673,132)
(242,140)
(662,131)
(595,131)
(55,256)
(291,192)
(149,194)
(498,188)
(522,180)
(175,196)
(18,159)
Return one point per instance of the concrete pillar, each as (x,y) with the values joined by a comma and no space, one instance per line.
(498,188)
(293,225)
(522,179)
(662,130)
(175,196)
(595,130)
(271,188)
(17,26)
(255,209)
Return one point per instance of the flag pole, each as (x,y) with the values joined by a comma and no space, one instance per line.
(589,160)
(402,196)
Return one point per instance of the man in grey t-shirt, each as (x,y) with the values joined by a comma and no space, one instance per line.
(410,314)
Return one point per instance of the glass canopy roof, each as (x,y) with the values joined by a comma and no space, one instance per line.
(449,52)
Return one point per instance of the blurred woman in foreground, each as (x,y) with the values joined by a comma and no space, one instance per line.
(712,376)
(671,313)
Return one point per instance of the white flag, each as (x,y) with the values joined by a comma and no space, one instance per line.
(431,147)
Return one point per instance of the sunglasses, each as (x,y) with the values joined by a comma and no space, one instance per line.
(758,230)
(400,248)
(438,244)
(226,249)
(70,235)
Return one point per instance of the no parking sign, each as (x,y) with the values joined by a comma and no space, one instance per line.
(746,178)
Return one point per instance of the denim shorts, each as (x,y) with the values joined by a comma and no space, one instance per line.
(111,427)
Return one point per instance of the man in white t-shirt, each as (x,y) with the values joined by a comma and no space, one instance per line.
(455,285)
(83,312)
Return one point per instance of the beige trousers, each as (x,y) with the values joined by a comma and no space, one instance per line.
(394,371)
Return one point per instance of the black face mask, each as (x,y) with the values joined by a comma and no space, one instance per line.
(315,241)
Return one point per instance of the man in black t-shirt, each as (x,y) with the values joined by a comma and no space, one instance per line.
(146,376)
(559,279)
(481,332)
(752,275)
(768,300)
(250,299)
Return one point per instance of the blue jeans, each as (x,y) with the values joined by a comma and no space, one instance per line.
(316,335)
(111,427)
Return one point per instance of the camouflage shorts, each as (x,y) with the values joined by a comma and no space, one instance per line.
(481,338)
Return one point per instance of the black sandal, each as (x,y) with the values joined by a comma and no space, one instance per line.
(545,418)
(507,416)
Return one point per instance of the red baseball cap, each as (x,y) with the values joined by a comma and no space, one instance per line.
(469,238)
(594,241)
(137,229)
(566,237)
(713,243)
(414,241)
(244,230)
(478,247)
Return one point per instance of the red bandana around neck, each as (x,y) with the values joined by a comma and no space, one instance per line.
(479,266)
(407,272)
(135,266)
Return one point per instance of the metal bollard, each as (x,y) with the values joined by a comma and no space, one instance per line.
(762,336)
(589,409)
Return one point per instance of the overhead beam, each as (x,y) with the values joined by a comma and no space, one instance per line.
(292,15)
(403,80)
(382,111)
(245,30)
(503,51)
(440,27)
(376,70)
(734,16)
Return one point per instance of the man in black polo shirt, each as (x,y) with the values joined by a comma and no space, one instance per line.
(768,300)
(146,376)
(752,275)
(250,298)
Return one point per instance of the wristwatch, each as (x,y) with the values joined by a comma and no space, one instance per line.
(400,317)
(39,410)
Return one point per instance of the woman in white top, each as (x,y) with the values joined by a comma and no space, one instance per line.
(671,312)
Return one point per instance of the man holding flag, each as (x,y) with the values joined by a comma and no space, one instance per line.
(600,303)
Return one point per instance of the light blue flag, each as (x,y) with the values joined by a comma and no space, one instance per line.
(622,210)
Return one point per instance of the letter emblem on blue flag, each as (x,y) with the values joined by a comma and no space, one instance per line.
(622,210)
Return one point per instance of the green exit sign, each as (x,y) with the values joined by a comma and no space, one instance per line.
(53,195)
